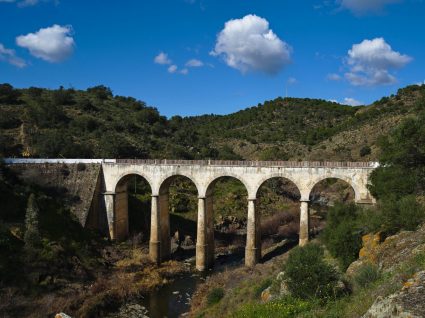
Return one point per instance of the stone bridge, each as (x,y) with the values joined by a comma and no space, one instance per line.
(204,174)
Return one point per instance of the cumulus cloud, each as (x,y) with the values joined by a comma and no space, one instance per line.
(334,77)
(53,44)
(371,62)
(28,3)
(10,57)
(194,63)
(172,69)
(248,44)
(365,6)
(351,102)
(292,81)
(162,58)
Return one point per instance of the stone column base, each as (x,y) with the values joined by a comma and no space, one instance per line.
(252,256)
(155,251)
(202,257)
(303,241)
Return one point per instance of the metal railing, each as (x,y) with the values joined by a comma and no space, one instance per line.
(284,164)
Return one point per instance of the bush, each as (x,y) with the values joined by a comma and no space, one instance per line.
(9,95)
(215,296)
(81,166)
(366,275)
(402,214)
(365,150)
(343,232)
(307,275)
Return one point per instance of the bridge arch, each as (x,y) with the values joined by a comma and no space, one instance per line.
(127,173)
(163,208)
(119,227)
(349,181)
(210,184)
(205,246)
(278,217)
(263,180)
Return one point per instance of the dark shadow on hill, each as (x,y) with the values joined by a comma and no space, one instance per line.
(279,249)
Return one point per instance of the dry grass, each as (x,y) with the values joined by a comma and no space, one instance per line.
(128,278)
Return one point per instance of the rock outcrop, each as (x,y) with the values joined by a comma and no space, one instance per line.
(408,303)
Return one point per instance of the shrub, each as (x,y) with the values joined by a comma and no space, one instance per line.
(342,235)
(365,150)
(366,275)
(307,275)
(215,295)
(81,166)
(403,214)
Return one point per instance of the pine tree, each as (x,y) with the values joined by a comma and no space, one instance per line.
(32,235)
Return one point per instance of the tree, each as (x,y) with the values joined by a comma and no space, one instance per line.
(101,92)
(32,235)
(402,170)
(342,234)
(365,150)
(8,95)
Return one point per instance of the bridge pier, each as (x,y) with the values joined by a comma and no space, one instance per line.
(109,198)
(116,204)
(201,236)
(164,226)
(155,237)
(205,235)
(304,223)
(253,235)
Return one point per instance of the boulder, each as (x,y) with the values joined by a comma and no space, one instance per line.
(188,241)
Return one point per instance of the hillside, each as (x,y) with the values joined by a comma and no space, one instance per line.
(94,123)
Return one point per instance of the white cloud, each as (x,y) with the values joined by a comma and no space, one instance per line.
(365,6)
(334,77)
(28,3)
(371,62)
(10,57)
(351,102)
(292,81)
(53,44)
(162,58)
(248,44)
(184,71)
(194,63)
(172,69)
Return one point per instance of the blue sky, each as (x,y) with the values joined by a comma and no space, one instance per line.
(218,56)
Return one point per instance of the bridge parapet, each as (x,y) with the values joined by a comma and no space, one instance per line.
(251,163)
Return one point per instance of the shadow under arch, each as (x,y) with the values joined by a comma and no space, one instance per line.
(178,196)
(278,204)
(226,218)
(324,194)
(126,206)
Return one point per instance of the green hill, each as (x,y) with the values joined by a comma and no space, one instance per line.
(94,123)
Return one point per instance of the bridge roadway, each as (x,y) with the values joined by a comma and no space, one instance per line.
(204,174)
